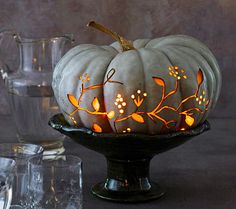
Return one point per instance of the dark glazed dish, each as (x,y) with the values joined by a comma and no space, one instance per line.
(128,158)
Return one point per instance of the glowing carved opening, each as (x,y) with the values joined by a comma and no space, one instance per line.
(97,128)
(176,72)
(95,103)
(138,99)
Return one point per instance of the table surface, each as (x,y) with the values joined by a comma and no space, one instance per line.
(201,174)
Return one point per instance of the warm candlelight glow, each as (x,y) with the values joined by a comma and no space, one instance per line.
(138,98)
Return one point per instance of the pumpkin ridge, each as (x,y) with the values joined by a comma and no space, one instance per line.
(111,122)
(157,54)
(200,54)
(59,67)
(71,51)
(67,73)
(217,85)
(89,63)
(200,48)
(198,117)
(90,50)
(111,45)
(143,40)
(74,91)
(206,72)
(180,86)
(144,84)
(105,107)
(126,73)
(106,49)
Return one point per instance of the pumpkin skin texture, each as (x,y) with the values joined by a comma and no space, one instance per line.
(139,72)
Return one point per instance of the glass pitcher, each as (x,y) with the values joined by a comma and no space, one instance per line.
(30,93)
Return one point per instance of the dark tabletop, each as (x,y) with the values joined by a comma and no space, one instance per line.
(200,174)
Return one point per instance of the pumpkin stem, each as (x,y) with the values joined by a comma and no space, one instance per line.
(126,45)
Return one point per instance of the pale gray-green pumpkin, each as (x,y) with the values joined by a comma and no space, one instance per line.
(151,86)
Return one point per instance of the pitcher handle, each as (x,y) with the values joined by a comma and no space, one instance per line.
(4,68)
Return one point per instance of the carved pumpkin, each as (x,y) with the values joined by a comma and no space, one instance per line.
(149,86)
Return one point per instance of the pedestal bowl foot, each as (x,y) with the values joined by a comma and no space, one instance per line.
(154,193)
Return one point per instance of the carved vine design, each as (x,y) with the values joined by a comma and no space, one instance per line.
(139,98)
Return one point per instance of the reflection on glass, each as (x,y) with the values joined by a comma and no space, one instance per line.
(21,154)
(31,96)
(55,181)
(6,177)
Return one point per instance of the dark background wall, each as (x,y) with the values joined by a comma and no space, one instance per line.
(211,21)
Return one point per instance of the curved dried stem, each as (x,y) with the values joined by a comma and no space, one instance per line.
(126,45)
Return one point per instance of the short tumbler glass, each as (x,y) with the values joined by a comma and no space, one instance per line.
(55,181)
(7,169)
(21,154)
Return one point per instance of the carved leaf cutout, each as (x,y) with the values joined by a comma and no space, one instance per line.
(96,128)
(111,114)
(189,120)
(199,77)
(138,118)
(72,100)
(159,81)
(96,104)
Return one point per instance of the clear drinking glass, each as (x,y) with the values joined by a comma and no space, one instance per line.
(55,182)
(6,177)
(21,154)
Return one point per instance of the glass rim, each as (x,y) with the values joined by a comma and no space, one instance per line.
(53,157)
(68,36)
(9,145)
(20,40)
